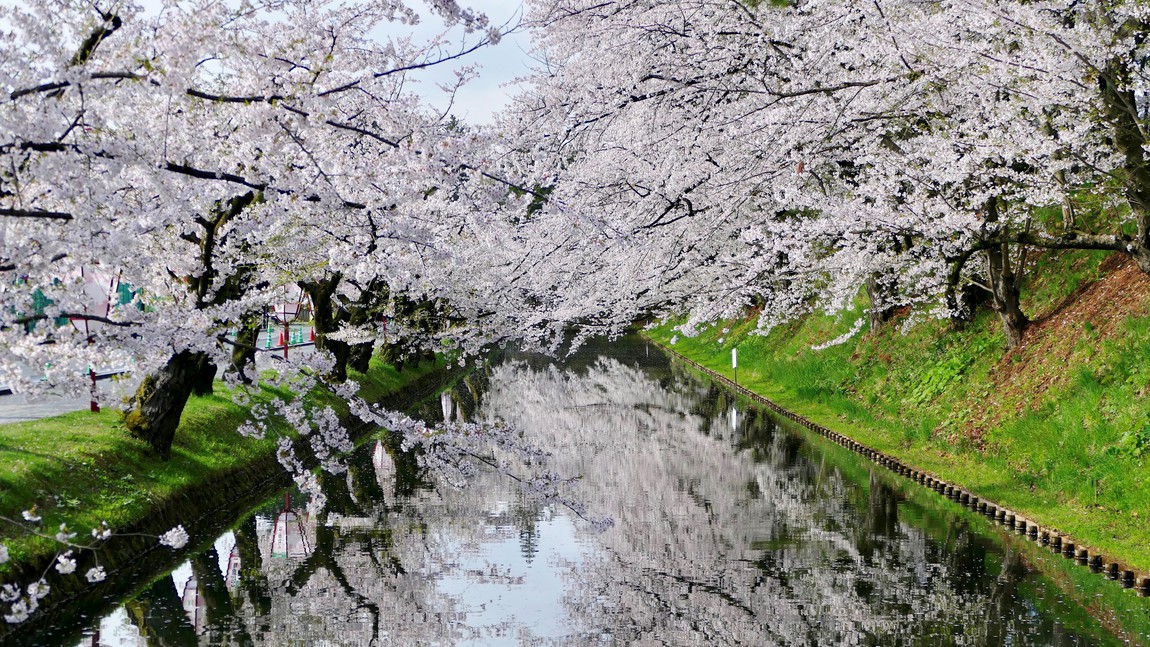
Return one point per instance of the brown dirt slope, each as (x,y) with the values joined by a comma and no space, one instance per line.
(1053,339)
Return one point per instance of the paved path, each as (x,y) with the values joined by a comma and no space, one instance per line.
(112,391)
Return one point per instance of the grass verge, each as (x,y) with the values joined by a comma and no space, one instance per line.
(83,468)
(1058,429)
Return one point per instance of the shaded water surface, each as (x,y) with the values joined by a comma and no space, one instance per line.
(728,530)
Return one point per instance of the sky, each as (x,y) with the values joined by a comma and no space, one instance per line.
(501,63)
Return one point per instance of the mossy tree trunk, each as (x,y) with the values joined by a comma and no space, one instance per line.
(154,411)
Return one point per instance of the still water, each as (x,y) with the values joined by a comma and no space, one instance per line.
(729,530)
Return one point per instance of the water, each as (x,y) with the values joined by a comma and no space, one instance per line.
(728,530)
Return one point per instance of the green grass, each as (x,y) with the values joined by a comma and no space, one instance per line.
(83,468)
(1073,458)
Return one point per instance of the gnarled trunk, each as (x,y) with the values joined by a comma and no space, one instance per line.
(244,352)
(1005,279)
(154,411)
(1006,290)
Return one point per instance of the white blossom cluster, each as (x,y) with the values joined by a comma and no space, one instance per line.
(711,156)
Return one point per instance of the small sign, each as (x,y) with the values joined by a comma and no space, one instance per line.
(734,358)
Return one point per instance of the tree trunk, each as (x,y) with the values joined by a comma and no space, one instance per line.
(1005,283)
(1006,290)
(327,322)
(1120,109)
(962,297)
(204,378)
(359,357)
(880,311)
(244,353)
(155,409)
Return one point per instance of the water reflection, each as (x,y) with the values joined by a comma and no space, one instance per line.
(728,531)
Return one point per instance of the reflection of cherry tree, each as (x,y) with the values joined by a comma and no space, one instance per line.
(725,535)
(718,546)
(372,571)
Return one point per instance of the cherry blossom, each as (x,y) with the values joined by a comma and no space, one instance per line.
(176,538)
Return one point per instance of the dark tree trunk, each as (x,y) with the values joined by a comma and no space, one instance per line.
(393,354)
(365,312)
(326,322)
(1006,290)
(963,297)
(880,310)
(969,297)
(1120,109)
(1005,279)
(359,357)
(154,411)
(244,353)
(204,379)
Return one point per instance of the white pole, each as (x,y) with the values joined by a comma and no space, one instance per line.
(735,363)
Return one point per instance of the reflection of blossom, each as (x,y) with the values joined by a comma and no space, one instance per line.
(724,536)
(175,538)
(693,513)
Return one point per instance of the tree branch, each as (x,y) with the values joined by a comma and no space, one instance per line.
(35,213)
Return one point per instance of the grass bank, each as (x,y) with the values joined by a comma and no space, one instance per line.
(1057,429)
(83,468)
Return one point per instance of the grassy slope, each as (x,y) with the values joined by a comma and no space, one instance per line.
(1051,429)
(81,468)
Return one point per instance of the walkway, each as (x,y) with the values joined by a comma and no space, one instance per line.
(113,389)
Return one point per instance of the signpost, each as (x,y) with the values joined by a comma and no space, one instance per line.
(735,364)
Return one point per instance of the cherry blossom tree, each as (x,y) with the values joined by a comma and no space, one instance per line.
(786,157)
(178,151)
